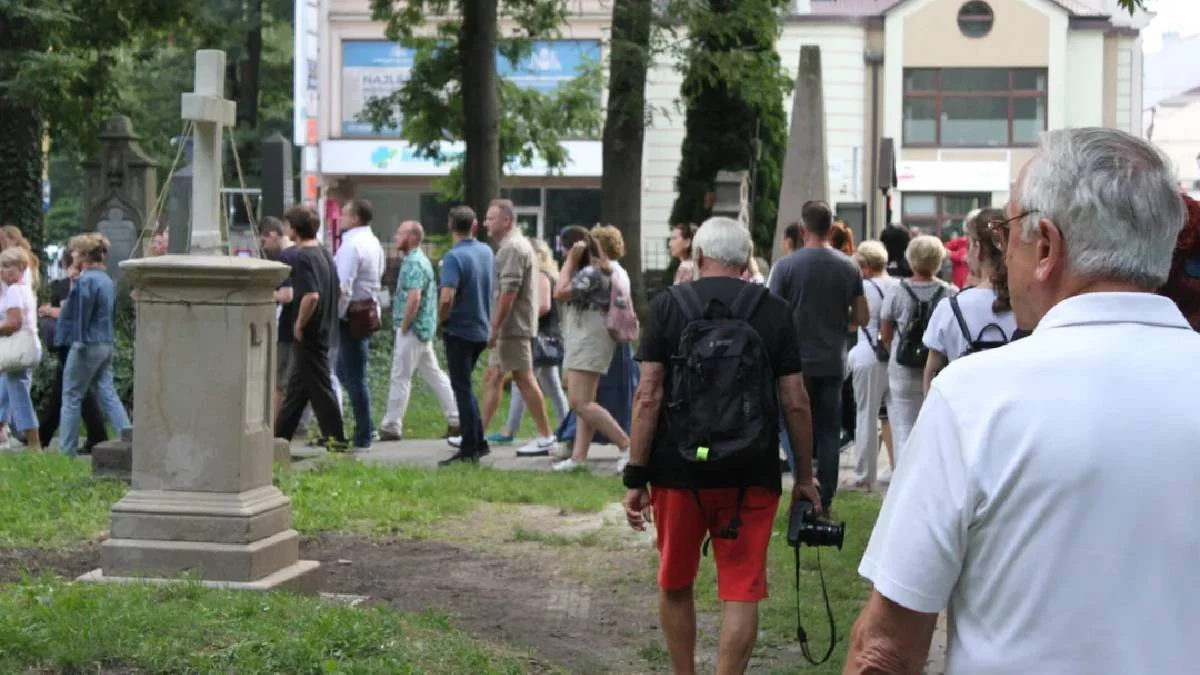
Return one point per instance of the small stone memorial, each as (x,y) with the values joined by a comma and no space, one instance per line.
(732,196)
(202,501)
(122,185)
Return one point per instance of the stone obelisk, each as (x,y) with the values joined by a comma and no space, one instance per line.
(202,502)
(805,164)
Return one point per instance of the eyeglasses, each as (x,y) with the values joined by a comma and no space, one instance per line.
(998,229)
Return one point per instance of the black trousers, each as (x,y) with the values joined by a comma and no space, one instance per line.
(93,419)
(309,382)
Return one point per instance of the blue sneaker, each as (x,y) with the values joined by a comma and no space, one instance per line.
(500,439)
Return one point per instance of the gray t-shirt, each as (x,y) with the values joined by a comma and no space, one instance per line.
(820,284)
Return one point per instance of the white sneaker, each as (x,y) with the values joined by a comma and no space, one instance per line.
(539,447)
(567,464)
(562,451)
(622,461)
(454,441)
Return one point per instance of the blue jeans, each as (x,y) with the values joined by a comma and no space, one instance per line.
(352,373)
(88,365)
(16,404)
(461,357)
(825,401)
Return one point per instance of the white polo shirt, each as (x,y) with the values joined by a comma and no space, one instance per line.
(1048,498)
(360,261)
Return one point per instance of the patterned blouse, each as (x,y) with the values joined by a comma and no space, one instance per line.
(591,289)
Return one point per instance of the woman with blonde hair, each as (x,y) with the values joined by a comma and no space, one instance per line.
(12,236)
(903,317)
(18,309)
(585,286)
(868,371)
(547,349)
(89,312)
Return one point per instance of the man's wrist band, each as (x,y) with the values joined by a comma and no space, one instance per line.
(636,476)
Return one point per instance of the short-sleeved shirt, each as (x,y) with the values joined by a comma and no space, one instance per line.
(515,274)
(1018,477)
(313,271)
(416,274)
(898,307)
(946,336)
(591,289)
(59,290)
(661,333)
(287,311)
(820,284)
(468,269)
(20,296)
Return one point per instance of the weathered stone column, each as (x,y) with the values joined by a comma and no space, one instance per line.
(805,164)
(202,501)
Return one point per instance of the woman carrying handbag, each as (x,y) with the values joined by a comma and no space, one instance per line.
(20,349)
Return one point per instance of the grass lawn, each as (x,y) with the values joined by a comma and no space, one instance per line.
(346,496)
(73,627)
(51,500)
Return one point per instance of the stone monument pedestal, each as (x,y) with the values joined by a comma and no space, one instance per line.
(202,502)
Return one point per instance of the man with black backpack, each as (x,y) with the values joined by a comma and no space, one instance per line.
(717,368)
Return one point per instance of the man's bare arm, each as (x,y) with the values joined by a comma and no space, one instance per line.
(888,639)
(860,313)
(413,303)
(284,295)
(445,303)
(647,404)
(797,417)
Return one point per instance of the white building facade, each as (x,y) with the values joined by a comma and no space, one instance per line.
(955,93)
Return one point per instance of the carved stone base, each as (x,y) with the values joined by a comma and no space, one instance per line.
(301,577)
(113,460)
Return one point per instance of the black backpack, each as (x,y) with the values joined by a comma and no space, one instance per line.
(723,406)
(978,344)
(911,351)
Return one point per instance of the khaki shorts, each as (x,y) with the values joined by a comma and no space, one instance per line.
(283,364)
(511,355)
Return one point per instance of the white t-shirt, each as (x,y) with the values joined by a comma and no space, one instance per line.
(874,290)
(1048,498)
(945,335)
(21,296)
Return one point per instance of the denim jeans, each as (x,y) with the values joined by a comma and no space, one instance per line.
(352,372)
(461,357)
(17,404)
(825,401)
(88,365)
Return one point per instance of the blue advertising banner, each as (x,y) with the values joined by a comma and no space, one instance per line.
(376,68)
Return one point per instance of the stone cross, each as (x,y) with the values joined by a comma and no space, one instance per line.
(211,113)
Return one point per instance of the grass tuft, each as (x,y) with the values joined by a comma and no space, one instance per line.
(73,627)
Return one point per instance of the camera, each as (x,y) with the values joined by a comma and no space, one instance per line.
(804,527)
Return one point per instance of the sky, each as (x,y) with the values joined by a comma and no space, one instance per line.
(1171,15)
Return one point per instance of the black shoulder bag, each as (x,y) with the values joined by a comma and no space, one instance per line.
(881,350)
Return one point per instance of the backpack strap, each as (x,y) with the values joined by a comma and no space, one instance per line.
(962,323)
(909,290)
(688,301)
(876,287)
(746,303)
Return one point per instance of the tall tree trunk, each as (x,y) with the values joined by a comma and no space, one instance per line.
(481,103)
(251,65)
(20,144)
(624,134)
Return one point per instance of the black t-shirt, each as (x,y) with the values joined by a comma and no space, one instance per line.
(59,290)
(313,271)
(660,340)
(287,312)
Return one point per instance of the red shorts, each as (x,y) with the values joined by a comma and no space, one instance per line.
(682,528)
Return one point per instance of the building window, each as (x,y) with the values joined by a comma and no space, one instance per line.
(941,215)
(975,19)
(974,107)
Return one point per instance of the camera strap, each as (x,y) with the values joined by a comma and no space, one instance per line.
(801,636)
